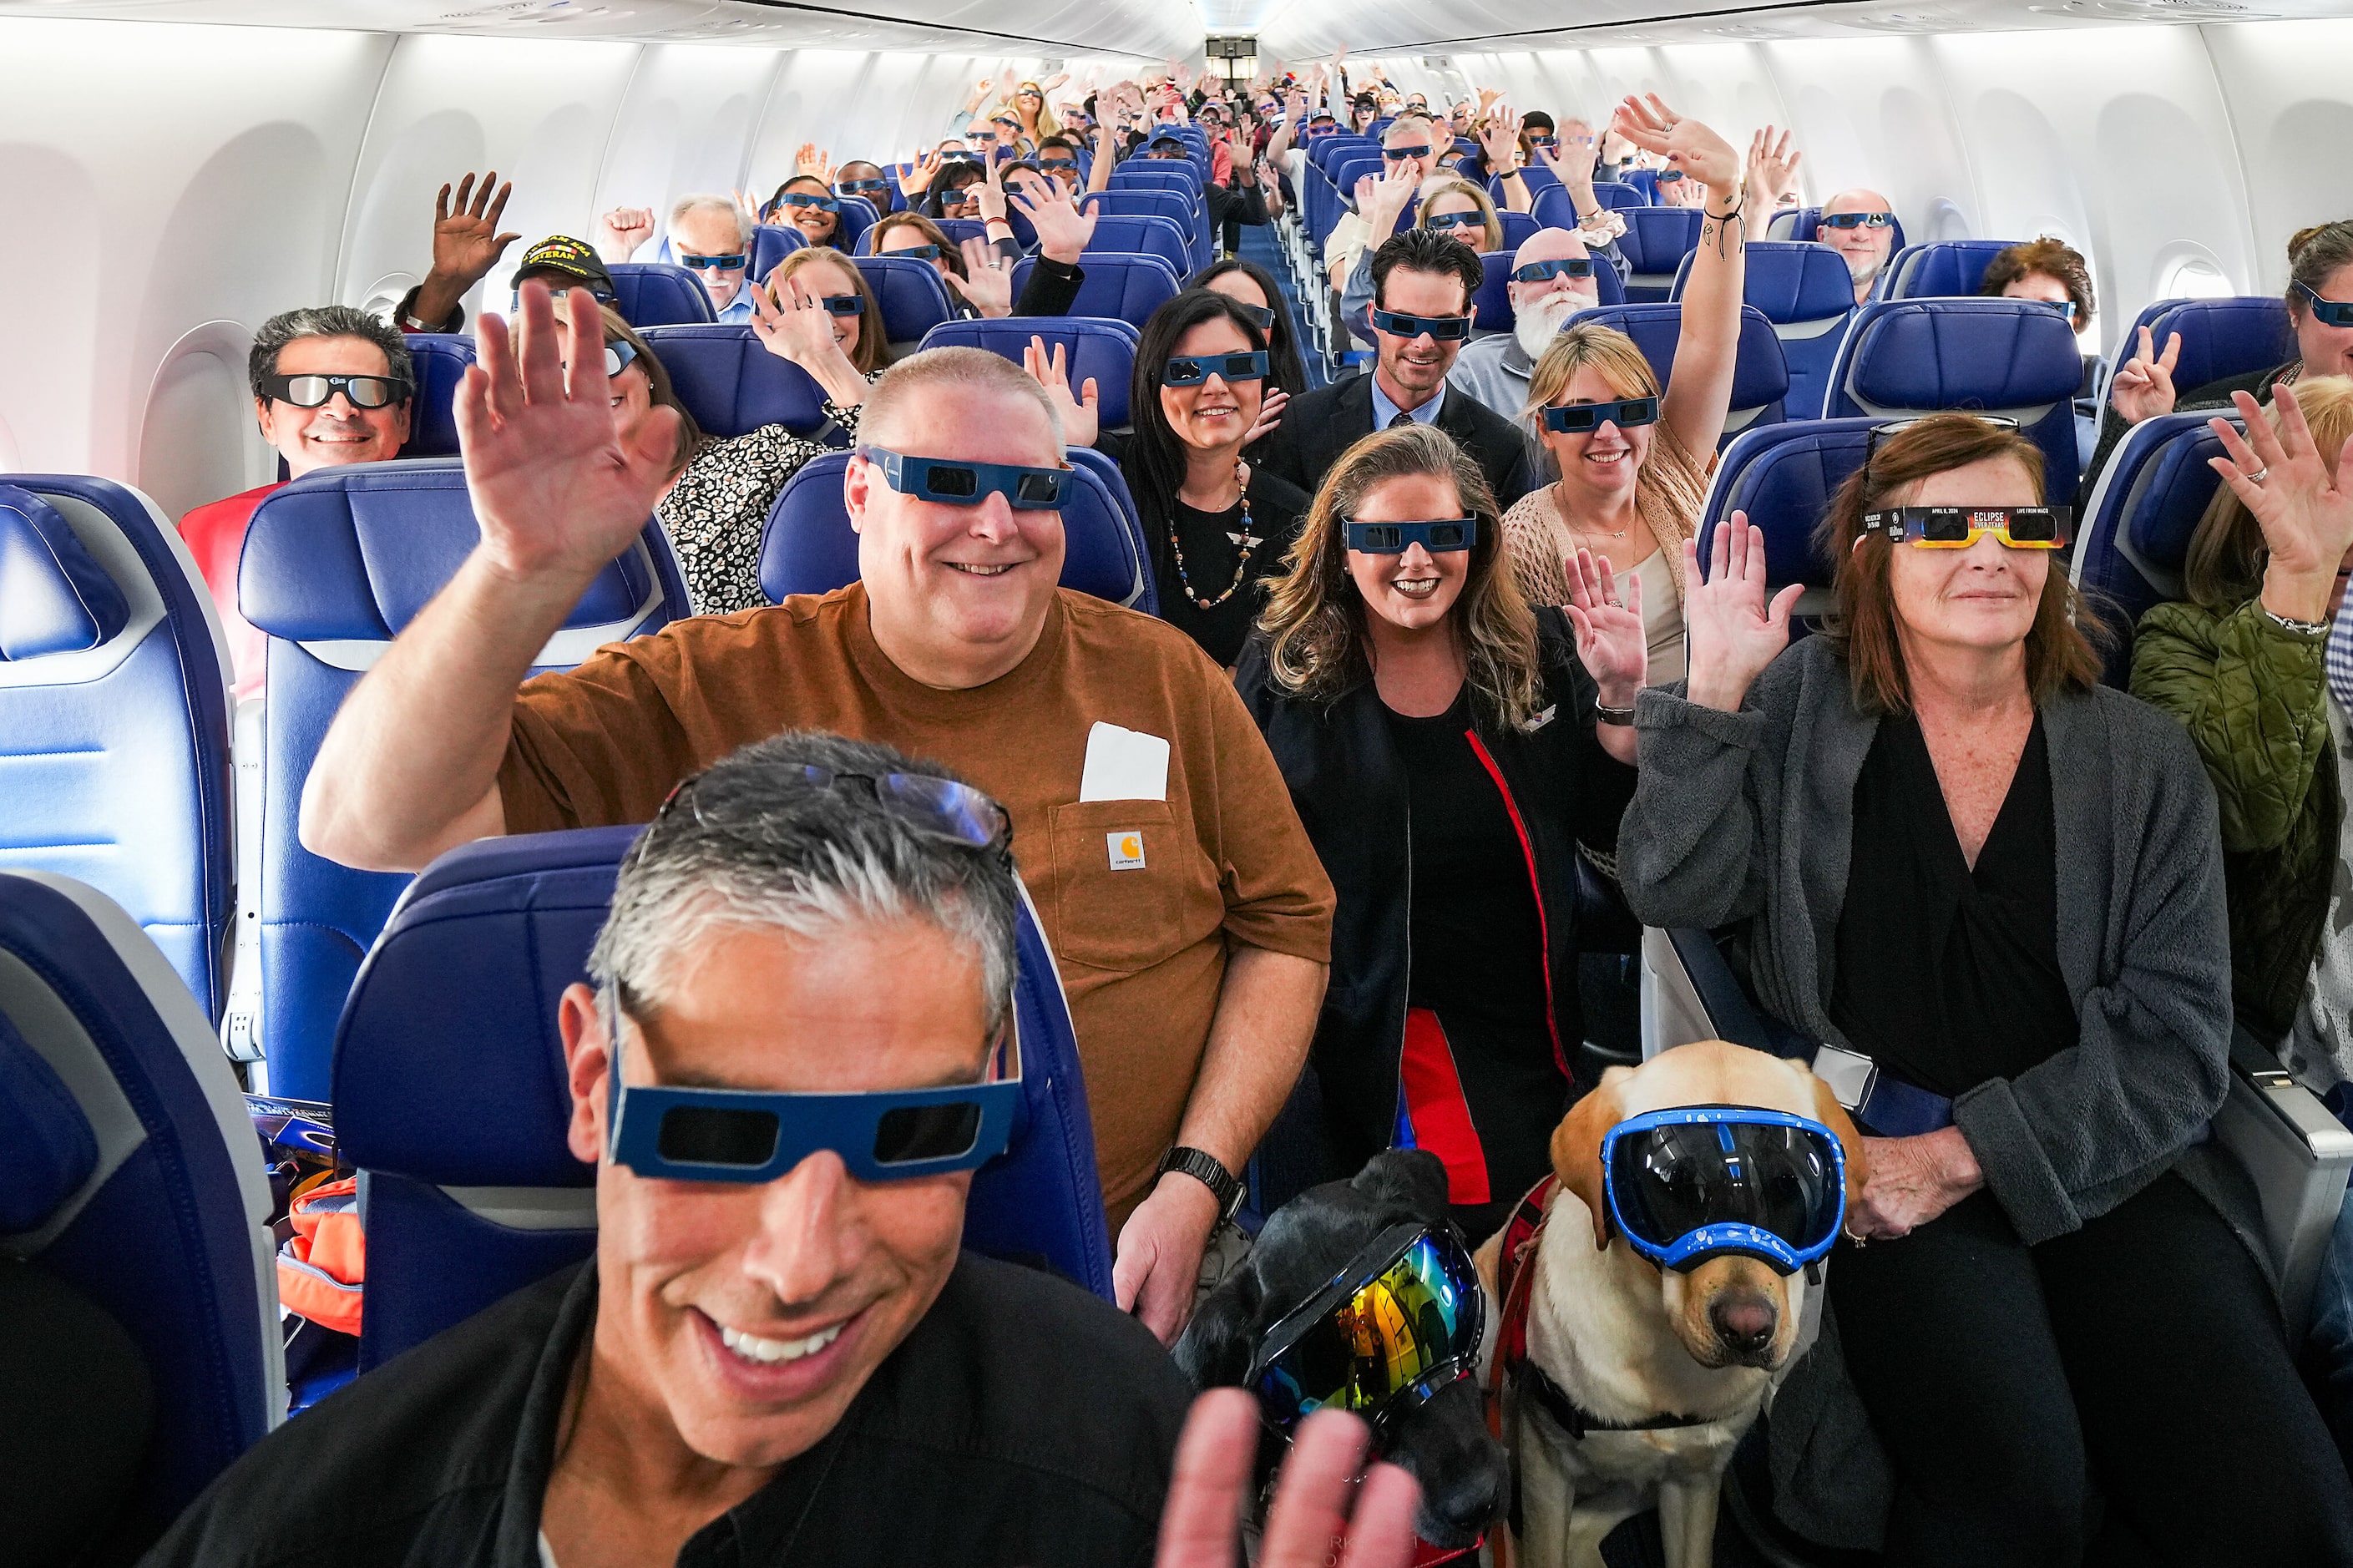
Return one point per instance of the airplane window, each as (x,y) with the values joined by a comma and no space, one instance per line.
(2194,278)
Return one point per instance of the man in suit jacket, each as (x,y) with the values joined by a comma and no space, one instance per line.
(1421,280)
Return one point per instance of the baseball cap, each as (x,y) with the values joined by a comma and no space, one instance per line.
(573,259)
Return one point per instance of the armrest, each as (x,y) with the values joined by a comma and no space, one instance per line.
(1604,923)
(2298,1156)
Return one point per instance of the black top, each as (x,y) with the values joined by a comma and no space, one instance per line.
(1212,557)
(1947,975)
(1022,1422)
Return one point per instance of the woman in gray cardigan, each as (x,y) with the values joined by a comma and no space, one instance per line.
(2001,884)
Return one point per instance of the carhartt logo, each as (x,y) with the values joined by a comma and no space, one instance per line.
(1126,850)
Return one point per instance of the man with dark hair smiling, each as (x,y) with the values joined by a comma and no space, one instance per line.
(1422,285)
(771,1360)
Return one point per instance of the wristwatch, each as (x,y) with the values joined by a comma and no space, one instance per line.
(1208,1169)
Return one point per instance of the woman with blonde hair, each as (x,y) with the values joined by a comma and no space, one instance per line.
(1038,121)
(1448,748)
(1633,459)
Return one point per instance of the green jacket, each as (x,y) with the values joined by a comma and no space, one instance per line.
(2255,697)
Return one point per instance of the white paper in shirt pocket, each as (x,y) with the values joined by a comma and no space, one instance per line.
(1124,764)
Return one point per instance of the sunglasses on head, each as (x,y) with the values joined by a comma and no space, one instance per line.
(1958,527)
(1192,370)
(2328,312)
(1857,220)
(734,263)
(1401,1321)
(860,188)
(1399,154)
(1568,418)
(916,253)
(1395,538)
(316,391)
(1546,271)
(1444,329)
(969,484)
(803,199)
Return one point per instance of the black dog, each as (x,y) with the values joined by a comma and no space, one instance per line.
(1443,1443)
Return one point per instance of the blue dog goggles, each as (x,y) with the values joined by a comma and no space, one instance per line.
(969,484)
(1401,1321)
(1701,1182)
(750,1136)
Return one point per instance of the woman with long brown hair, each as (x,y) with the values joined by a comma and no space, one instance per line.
(1991,888)
(1448,749)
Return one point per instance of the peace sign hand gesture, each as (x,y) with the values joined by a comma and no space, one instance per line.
(2142,387)
(1654,127)
(2302,497)
(1733,633)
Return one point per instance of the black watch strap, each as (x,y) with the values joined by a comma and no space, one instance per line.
(1210,1172)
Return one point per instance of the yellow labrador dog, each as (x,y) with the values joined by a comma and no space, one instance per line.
(1654,1373)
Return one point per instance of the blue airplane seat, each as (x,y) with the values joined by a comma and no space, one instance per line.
(1492,299)
(732,384)
(463,1207)
(1655,242)
(1124,288)
(2012,357)
(858,216)
(335,566)
(1133,235)
(1806,293)
(1645,180)
(655,294)
(2219,338)
(1174,179)
(1535,176)
(441,360)
(1322,151)
(771,243)
(808,546)
(2134,535)
(1760,378)
(128,1170)
(912,298)
(1783,476)
(1100,347)
(1944,269)
(1519,227)
(1803,226)
(114,716)
(1185,212)
(1618,194)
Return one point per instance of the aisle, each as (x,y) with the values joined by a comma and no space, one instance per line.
(1259,245)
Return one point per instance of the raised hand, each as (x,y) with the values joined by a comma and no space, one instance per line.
(1772,166)
(1389,191)
(1199,1523)
(2142,387)
(1049,370)
(466,243)
(1062,229)
(987,283)
(913,182)
(1611,640)
(1270,414)
(2301,497)
(557,494)
(1701,154)
(1733,634)
(793,324)
(990,193)
(622,230)
(814,162)
(1499,141)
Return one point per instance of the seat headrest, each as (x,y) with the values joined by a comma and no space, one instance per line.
(1097,348)
(412,1070)
(2224,338)
(1796,282)
(1956,354)
(353,553)
(1783,477)
(732,384)
(910,293)
(47,1148)
(441,359)
(655,294)
(771,243)
(1950,267)
(2169,500)
(1657,238)
(1761,375)
(54,598)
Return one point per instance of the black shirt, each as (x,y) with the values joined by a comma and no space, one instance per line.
(1950,975)
(1212,557)
(1022,1422)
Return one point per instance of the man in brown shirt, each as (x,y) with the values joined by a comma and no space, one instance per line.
(1190,915)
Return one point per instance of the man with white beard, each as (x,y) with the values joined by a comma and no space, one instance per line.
(1861,227)
(1494,369)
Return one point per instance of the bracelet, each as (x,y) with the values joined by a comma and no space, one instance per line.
(2290,624)
(1605,714)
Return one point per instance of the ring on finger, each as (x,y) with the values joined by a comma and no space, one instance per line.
(2259,475)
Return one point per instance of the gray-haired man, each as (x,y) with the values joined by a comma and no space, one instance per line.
(793,1364)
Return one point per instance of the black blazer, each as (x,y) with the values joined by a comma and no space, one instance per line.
(1349,787)
(1318,428)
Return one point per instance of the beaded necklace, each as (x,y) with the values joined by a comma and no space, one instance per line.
(1247,539)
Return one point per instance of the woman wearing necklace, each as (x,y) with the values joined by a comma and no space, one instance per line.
(1448,749)
(1633,460)
(1219,528)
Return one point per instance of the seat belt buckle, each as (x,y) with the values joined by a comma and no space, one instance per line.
(1851,1075)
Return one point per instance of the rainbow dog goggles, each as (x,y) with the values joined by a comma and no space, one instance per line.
(1401,1321)
(1686,1185)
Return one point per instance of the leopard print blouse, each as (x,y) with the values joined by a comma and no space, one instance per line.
(714,513)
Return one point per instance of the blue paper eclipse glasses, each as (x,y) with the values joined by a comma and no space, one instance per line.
(1694,1183)
(914,253)
(969,484)
(2329,313)
(1546,271)
(734,263)
(1856,220)
(860,187)
(1571,417)
(804,199)
(1396,538)
(1192,370)
(1442,329)
(1401,1321)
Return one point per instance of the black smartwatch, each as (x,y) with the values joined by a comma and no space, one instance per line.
(1210,1172)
